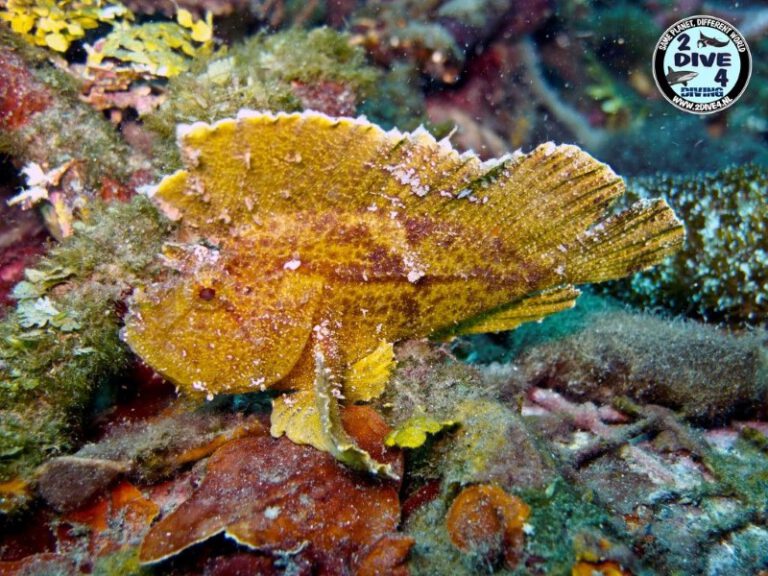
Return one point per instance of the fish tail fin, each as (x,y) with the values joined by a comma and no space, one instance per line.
(626,243)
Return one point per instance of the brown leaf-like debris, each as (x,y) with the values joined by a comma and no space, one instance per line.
(275,496)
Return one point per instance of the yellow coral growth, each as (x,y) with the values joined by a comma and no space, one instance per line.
(159,48)
(413,432)
(307,241)
(57,23)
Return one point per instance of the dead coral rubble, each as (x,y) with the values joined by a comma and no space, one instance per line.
(144,451)
(619,484)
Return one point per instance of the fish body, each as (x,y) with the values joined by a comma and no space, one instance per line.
(309,244)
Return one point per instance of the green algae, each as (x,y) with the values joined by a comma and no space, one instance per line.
(51,362)
(560,516)
(489,429)
(257,74)
(318,55)
(124,562)
(743,472)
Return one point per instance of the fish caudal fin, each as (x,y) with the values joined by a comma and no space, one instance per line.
(626,243)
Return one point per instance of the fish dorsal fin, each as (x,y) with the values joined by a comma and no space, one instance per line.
(241,171)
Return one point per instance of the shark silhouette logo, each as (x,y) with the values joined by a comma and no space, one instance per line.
(702,64)
(705,41)
(680,76)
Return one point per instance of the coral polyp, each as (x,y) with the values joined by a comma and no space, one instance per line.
(307,243)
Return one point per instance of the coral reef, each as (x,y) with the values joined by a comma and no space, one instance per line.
(381,255)
(612,493)
(722,273)
(312,257)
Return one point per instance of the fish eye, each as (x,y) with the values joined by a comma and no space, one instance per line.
(206,293)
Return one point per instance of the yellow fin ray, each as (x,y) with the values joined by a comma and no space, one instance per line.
(413,432)
(312,417)
(625,243)
(528,309)
(367,378)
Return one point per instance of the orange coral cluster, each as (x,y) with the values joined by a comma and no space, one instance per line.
(485,520)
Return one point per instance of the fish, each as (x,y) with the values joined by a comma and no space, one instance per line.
(680,76)
(705,40)
(308,245)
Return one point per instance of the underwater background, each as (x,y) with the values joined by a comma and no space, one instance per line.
(163,162)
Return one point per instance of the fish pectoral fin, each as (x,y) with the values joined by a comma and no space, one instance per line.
(297,415)
(367,378)
(527,309)
(311,416)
